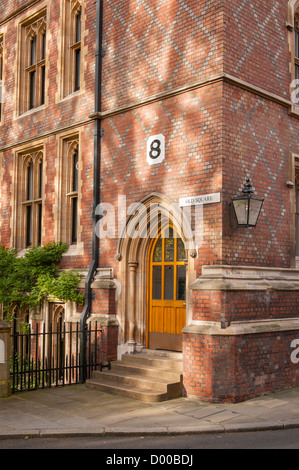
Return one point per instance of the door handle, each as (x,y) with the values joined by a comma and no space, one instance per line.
(184,304)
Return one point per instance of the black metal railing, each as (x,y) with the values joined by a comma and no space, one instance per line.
(52,357)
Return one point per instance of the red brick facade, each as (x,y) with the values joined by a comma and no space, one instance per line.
(214,78)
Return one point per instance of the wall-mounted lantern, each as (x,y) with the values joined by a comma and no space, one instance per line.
(247,207)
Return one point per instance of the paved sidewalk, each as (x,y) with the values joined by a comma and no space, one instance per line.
(77,411)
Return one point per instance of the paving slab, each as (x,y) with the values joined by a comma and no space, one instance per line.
(77,410)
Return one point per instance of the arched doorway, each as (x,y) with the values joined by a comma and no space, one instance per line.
(153,216)
(56,351)
(166,291)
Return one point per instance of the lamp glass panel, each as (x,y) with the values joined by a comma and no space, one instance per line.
(241,210)
(255,207)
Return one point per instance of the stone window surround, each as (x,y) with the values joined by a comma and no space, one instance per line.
(21,93)
(18,222)
(1,76)
(66,57)
(62,210)
(293,8)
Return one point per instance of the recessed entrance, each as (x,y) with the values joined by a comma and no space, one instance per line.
(166,291)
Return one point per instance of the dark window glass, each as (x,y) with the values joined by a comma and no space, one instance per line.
(1,84)
(74,219)
(169,246)
(157,282)
(157,257)
(39,225)
(77,69)
(297,43)
(32,90)
(33,51)
(40,192)
(180,250)
(44,46)
(43,84)
(75,170)
(297,222)
(168,282)
(28,226)
(78,26)
(181,283)
(30,181)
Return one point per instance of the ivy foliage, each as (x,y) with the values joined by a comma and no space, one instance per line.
(28,281)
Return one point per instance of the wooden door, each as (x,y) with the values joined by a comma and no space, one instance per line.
(167,291)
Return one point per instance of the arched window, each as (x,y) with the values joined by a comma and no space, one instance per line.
(71,47)
(1,77)
(296,46)
(68,197)
(73,195)
(32,63)
(32,199)
(293,27)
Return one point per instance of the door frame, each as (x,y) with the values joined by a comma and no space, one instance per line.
(164,340)
(132,257)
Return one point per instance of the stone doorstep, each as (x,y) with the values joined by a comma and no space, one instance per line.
(142,376)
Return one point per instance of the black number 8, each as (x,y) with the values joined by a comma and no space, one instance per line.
(155,149)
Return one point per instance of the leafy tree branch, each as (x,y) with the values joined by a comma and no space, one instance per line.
(28,281)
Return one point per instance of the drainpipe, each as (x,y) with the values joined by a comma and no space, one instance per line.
(96,186)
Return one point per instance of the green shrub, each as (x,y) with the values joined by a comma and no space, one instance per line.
(28,281)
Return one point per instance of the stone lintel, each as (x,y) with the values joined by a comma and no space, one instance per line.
(242,327)
(221,277)
(104,319)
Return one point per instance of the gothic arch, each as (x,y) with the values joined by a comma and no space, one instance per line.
(141,227)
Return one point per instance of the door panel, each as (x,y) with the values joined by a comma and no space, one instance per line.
(156,323)
(167,291)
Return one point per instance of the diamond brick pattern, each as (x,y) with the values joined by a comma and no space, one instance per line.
(263,139)
(147,54)
(258,48)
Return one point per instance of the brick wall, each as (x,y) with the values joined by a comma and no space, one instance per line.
(146,52)
(48,122)
(216,133)
(190,123)
(244,305)
(259,138)
(237,368)
(256,46)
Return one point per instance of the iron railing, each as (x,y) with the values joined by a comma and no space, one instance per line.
(43,358)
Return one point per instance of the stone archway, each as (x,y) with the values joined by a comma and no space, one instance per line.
(141,227)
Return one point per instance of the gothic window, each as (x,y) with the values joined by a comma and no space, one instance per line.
(32,87)
(69,184)
(297,213)
(296,47)
(29,199)
(72,195)
(71,47)
(1,77)
(32,202)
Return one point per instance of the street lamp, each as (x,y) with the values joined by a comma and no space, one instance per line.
(247,207)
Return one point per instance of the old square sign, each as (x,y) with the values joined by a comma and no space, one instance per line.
(199,200)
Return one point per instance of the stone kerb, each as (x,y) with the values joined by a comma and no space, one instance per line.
(5,330)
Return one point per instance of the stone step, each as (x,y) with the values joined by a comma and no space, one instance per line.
(150,376)
(149,396)
(136,379)
(158,361)
(147,371)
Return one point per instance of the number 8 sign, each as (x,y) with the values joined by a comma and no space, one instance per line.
(155,149)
